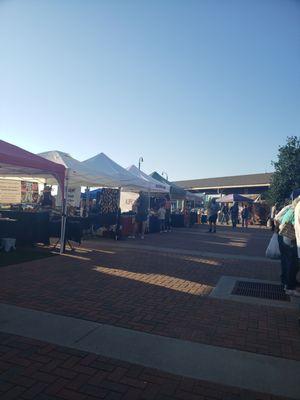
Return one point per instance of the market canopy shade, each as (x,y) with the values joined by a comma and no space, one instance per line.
(177,193)
(153,185)
(101,163)
(231,198)
(193,196)
(78,173)
(15,162)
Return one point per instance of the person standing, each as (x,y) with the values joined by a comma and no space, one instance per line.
(288,247)
(168,205)
(245,216)
(213,210)
(161,213)
(141,206)
(225,214)
(234,211)
(272,216)
(47,201)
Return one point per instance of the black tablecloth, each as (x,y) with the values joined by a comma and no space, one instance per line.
(177,220)
(29,228)
(193,218)
(99,220)
(73,228)
(154,225)
(8,228)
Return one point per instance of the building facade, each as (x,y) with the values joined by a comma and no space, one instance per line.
(253,184)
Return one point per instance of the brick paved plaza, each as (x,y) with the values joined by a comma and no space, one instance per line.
(160,286)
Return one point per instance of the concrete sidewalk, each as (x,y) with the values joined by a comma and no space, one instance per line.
(194,360)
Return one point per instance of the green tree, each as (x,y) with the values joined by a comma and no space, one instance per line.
(286,177)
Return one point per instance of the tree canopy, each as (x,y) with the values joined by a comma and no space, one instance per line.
(286,177)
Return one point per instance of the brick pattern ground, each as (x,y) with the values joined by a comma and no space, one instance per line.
(160,293)
(31,369)
(240,241)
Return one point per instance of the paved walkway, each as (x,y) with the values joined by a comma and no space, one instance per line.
(193,360)
(153,291)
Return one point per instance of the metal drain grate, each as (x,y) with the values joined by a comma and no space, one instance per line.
(262,290)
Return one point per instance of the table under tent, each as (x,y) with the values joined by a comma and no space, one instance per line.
(20,225)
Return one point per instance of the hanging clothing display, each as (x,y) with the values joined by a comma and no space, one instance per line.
(109,201)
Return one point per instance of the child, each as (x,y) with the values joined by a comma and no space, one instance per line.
(161,213)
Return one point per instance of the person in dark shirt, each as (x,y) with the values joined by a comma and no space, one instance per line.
(245,216)
(47,200)
(141,206)
(234,211)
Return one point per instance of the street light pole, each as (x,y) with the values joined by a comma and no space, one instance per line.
(164,173)
(140,161)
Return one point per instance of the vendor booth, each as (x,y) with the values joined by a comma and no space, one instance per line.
(180,215)
(129,186)
(28,226)
(156,194)
(80,175)
(123,178)
(232,198)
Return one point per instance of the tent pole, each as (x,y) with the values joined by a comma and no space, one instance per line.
(64,215)
(118,212)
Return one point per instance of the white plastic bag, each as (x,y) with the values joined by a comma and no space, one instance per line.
(273,250)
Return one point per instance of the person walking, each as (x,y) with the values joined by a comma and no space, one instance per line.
(161,213)
(213,210)
(168,205)
(234,212)
(245,216)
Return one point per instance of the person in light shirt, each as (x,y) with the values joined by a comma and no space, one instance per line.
(289,249)
(213,210)
(161,213)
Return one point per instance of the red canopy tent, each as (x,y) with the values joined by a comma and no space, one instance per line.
(15,161)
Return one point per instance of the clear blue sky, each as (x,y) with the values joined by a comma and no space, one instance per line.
(198,88)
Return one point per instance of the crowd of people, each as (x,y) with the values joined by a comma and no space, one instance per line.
(224,214)
(141,208)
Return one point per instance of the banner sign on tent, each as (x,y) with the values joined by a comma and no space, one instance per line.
(29,192)
(10,191)
(127,200)
(73,196)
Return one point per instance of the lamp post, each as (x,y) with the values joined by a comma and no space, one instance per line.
(164,173)
(140,161)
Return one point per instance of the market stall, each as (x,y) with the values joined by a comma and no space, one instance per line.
(178,196)
(156,193)
(27,227)
(194,201)
(78,175)
(129,186)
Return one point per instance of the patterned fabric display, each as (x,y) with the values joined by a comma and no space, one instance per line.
(109,201)
(287,229)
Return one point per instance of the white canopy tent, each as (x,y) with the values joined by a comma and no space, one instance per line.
(79,174)
(101,163)
(153,185)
